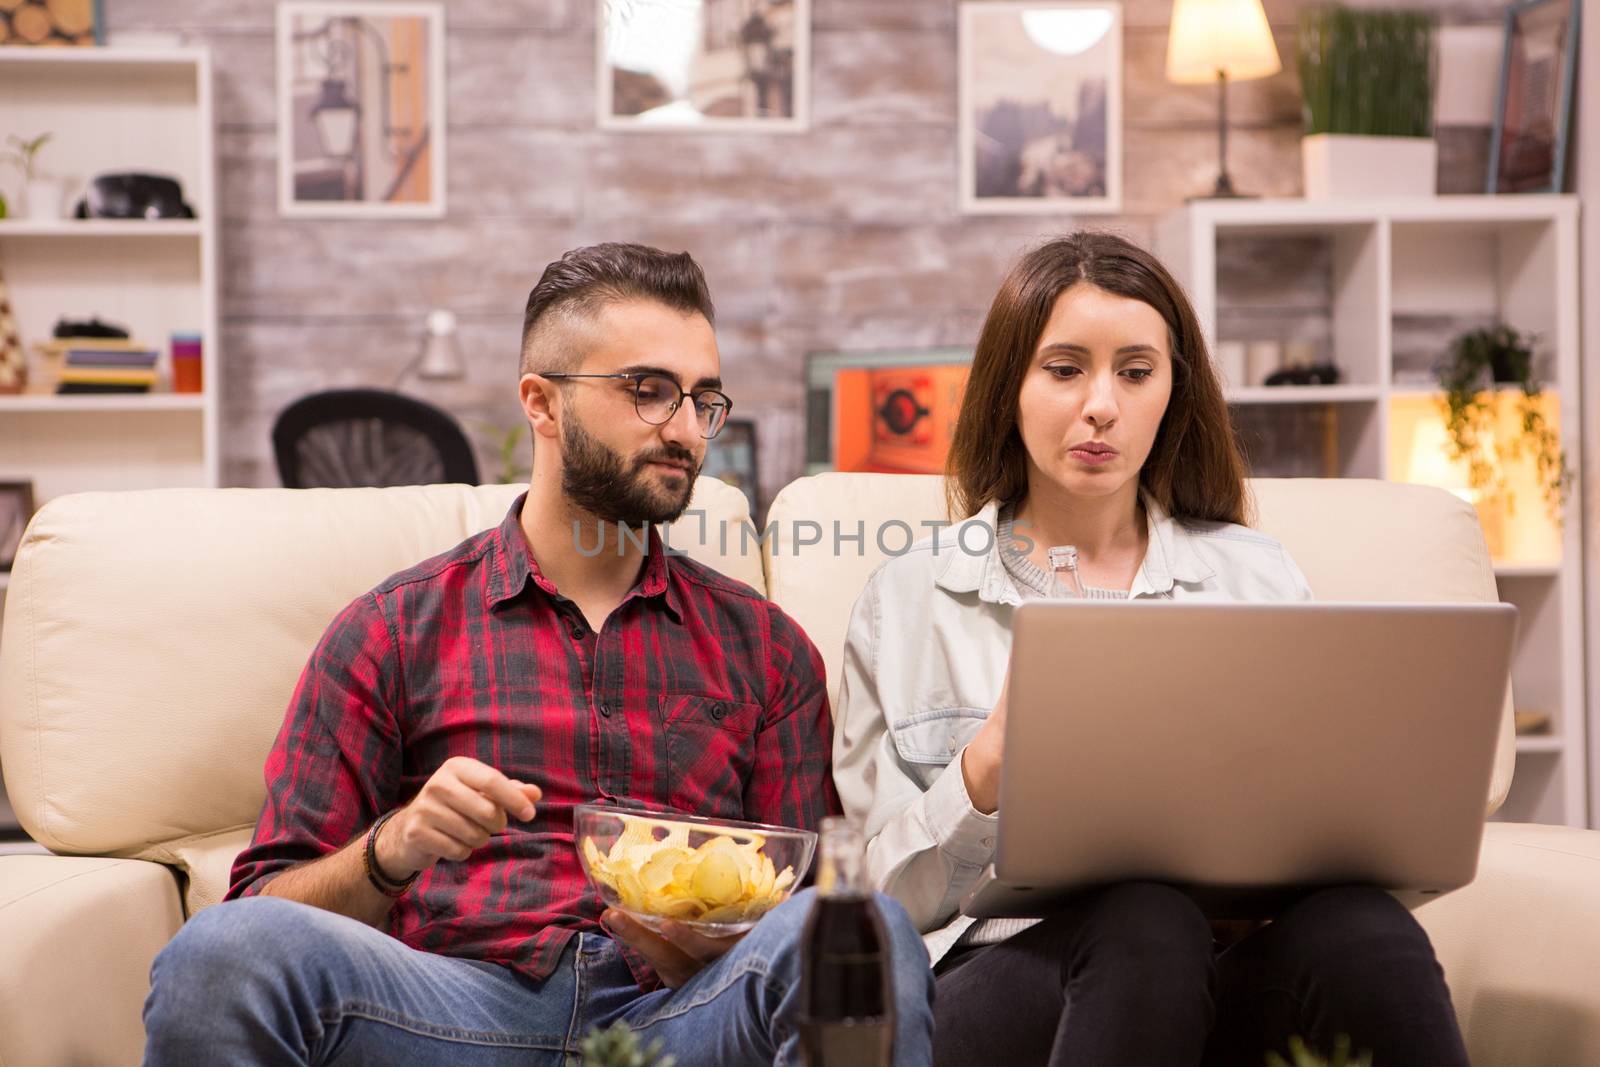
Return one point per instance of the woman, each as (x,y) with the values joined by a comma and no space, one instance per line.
(1093,418)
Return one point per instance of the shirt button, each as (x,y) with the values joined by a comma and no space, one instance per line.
(577,632)
(718,711)
(605,710)
(987,842)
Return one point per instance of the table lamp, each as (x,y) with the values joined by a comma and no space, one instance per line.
(1219,40)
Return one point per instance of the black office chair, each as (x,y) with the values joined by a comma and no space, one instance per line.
(351,437)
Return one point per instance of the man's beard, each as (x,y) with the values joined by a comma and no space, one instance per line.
(597,479)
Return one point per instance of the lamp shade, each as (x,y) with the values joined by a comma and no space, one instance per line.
(1226,36)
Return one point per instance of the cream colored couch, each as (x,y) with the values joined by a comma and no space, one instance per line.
(152,640)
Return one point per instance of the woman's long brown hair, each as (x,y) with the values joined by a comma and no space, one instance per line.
(1195,469)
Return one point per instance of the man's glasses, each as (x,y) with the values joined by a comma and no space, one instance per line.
(657,398)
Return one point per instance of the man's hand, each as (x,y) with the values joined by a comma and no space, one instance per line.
(677,954)
(456,811)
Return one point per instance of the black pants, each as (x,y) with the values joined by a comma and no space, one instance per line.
(1129,976)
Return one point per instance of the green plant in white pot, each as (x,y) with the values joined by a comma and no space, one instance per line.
(1367,80)
(41,194)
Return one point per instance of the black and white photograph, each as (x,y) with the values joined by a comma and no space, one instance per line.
(361,114)
(724,64)
(1041,107)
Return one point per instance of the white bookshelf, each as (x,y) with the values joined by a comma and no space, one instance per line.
(113,109)
(1305,394)
(101,228)
(1435,260)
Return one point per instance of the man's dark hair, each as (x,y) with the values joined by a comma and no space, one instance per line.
(574,288)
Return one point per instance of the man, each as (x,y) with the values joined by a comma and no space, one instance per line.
(411,894)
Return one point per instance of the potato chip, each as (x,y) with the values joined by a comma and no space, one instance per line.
(718,879)
(652,869)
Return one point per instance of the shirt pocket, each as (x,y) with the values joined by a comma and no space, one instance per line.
(929,740)
(710,742)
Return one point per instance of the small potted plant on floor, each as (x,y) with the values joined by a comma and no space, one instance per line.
(1366,80)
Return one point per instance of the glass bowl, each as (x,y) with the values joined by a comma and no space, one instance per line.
(716,876)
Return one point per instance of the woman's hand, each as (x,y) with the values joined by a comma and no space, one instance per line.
(980,760)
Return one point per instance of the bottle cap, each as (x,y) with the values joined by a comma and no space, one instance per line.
(1063,557)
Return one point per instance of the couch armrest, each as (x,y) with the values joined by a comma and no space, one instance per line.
(79,935)
(1519,947)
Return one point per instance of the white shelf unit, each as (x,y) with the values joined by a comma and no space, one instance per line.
(1443,262)
(101,228)
(112,110)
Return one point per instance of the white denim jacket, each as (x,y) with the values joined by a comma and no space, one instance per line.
(924,659)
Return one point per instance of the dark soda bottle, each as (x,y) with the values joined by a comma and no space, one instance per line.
(846,1001)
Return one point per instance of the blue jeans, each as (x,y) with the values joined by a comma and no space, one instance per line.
(268,981)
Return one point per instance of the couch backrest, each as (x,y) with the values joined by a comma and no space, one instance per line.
(152,641)
(1355,539)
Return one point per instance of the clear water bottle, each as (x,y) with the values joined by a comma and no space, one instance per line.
(1065,581)
(846,996)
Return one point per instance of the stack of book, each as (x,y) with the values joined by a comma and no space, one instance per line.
(94,365)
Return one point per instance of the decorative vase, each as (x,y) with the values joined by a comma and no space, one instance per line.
(1339,166)
(13,367)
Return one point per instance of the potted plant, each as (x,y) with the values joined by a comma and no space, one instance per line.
(1305,1057)
(41,195)
(619,1047)
(508,447)
(1476,363)
(1366,79)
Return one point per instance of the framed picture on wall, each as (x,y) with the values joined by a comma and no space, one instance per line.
(1528,149)
(361,115)
(888,411)
(16,508)
(52,23)
(732,457)
(1040,104)
(703,64)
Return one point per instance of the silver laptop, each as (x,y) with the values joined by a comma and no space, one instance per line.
(1244,751)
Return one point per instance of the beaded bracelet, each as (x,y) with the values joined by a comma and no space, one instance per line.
(369,861)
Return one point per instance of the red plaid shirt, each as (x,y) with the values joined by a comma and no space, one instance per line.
(698,695)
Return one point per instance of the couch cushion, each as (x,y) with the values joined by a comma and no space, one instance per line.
(206,862)
(1519,946)
(79,937)
(1355,539)
(153,639)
